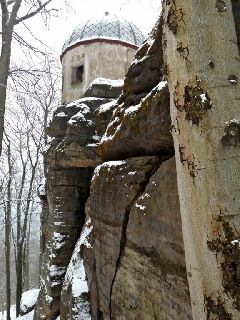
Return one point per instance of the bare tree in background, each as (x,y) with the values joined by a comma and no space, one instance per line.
(11,14)
(34,93)
(8,212)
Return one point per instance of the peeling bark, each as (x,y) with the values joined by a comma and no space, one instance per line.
(202,58)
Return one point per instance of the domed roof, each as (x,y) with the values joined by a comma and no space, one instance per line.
(107,27)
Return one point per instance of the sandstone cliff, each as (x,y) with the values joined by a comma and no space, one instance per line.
(112,244)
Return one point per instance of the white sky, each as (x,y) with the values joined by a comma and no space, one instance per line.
(143,13)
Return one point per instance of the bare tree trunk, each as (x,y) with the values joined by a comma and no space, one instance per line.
(4,67)
(203,69)
(24,229)
(8,236)
(26,285)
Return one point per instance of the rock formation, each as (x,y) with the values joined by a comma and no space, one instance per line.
(127,261)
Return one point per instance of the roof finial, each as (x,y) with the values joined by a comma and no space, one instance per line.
(106,13)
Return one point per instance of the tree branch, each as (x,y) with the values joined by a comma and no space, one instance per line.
(33,13)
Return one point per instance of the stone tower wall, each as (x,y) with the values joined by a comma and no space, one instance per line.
(106,60)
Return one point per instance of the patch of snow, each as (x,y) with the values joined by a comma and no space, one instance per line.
(203,97)
(93,145)
(59,223)
(58,241)
(236,243)
(113,83)
(161,85)
(140,207)
(233,81)
(107,106)
(131,109)
(132,173)
(75,274)
(96,138)
(55,283)
(56,271)
(42,188)
(145,195)
(108,165)
(29,299)
(92,99)
(61,114)
(150,41)
(85,234)
(79,117)
(116,163)
(48,299)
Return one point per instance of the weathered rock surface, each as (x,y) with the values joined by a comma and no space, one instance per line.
(143,129)
(72,155)
(146,70)
(140,125)
(109,205)
(137,242)
(104,114)
(67,193)
(151,282)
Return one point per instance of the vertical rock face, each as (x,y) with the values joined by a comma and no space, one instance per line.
(151,281)
(113,191)
(67,193)
(137,241)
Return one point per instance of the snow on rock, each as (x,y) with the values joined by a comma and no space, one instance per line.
(85,234)
(113,83)
(161,85)
(141,207)
(131,109)
(28,301)
(235,243)
(75,277)
(75,274)
(107,106)
(104,88)
(108,165)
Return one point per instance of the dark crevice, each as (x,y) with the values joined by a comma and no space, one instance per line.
(142,189)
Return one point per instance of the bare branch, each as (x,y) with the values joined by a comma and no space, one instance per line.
(33,13)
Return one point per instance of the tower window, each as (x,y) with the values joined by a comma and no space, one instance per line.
(77,74)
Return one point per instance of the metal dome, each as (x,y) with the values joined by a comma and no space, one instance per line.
(107,27)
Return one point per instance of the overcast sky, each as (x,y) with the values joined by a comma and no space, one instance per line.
(143,13)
